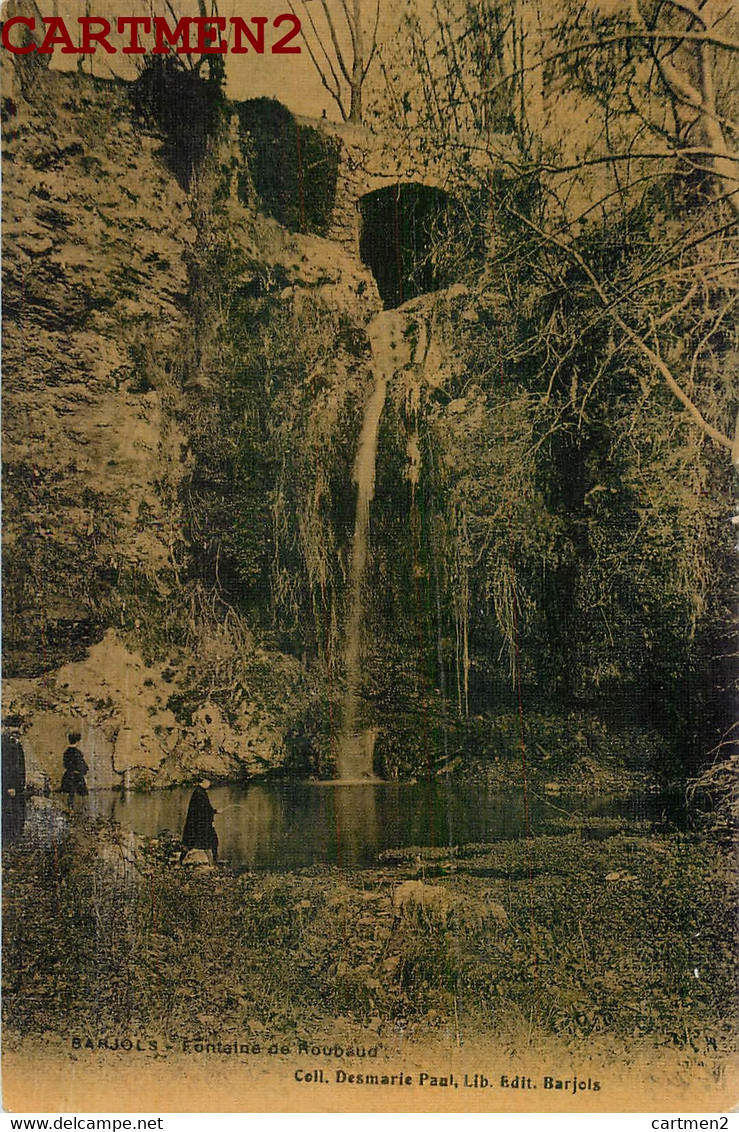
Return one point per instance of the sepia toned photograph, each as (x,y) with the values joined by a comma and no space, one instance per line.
(370,438)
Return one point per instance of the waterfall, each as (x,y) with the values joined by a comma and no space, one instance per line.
(390,351)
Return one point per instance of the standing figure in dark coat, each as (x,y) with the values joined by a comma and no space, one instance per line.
(75,769)
(199,832)
(14,780)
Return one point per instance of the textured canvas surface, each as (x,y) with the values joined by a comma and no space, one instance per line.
(369,401)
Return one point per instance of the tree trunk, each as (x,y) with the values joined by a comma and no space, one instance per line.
(357,81)
(355,106)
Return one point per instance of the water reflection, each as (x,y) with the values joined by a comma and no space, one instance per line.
(291,825)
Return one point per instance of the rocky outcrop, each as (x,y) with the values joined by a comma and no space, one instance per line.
(117,352)
(95,303)
(142,726)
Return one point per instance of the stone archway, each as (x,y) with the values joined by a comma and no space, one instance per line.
(402,228)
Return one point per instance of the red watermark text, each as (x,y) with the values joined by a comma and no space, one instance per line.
(153,35)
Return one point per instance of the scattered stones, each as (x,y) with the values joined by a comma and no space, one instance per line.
(414,898)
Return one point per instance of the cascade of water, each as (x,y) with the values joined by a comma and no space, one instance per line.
(390,351)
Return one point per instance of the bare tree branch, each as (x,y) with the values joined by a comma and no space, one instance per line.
(350,24)
(654,358)
(710,333)
(373,47)
(335,93)
(335,41)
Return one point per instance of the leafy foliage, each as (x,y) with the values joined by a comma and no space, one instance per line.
(293,167)
(187,108)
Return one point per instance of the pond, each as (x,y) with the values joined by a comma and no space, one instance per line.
(286,825)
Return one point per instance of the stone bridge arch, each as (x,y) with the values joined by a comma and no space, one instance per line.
(370,161)
(360,188)
(404,230)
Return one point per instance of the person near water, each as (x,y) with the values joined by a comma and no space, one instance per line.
(14,759)
(199,832)
(75,769)
(13,779)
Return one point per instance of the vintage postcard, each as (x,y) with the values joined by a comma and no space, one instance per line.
(369,577)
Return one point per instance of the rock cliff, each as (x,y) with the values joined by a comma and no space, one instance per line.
(116,373)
